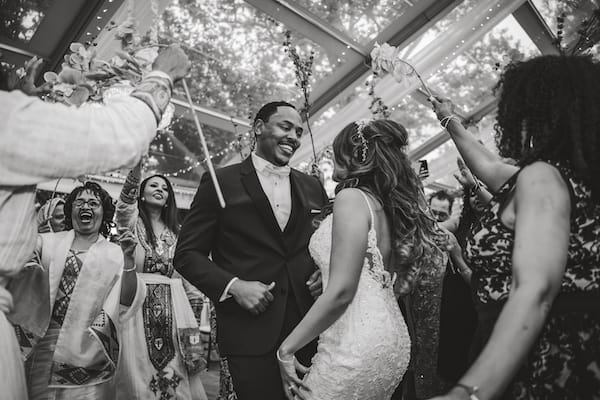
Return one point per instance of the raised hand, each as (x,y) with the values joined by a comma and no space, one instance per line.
(252,296)
(172,61)
(442,107)
(44,226)
(465,177)
(317,173)
(128,242)
(26,83)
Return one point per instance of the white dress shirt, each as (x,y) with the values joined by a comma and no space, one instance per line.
(275,183)
(276,187)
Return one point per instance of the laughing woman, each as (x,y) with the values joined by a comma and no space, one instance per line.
(72,300)
(163,353)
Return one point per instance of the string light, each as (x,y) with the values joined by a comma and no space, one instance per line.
(234,145)
(119,179)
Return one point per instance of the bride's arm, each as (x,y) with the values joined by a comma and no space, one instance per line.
(349,243)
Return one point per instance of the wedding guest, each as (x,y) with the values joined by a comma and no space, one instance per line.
(534,252)
(51,216)
(458,318)
(422,307)
(162,350)
(260,275)
(440,204)
(379,225)
(43,141)
(67,302)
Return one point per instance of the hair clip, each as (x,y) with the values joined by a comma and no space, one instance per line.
(361,124)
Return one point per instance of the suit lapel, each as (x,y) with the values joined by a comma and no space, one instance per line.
(258,196)
(298,199)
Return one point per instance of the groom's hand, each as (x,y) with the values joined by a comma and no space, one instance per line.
(252,296)
(315,284)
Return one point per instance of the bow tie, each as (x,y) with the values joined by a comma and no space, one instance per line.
(279,171)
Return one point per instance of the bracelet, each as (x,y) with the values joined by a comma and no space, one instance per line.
(131,182)
(471,390)
(156,93)
(446,120)
(282,360)
(161,75)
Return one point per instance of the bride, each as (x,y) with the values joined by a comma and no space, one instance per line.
(379,226)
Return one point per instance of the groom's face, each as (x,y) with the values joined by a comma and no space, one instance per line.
(278,138)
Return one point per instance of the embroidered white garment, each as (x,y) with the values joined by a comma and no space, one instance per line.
(365,353)
(276,185)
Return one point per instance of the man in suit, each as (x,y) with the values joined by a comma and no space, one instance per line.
(260,276)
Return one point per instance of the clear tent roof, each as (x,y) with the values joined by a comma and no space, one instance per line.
(239,62)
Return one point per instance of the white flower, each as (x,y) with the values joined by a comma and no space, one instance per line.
(382,58)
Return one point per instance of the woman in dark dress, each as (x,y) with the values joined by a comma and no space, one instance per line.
(535,252)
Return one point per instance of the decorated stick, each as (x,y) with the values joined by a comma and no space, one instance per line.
(211,169)
(429,94)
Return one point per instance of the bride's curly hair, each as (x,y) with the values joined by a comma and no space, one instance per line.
(375,159)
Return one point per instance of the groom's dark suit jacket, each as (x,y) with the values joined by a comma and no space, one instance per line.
(244,240)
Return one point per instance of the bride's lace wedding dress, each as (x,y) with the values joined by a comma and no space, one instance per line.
(365,353)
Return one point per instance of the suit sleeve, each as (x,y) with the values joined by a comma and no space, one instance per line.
(197,238)
(323,193)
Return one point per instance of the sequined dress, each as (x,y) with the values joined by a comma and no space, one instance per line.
(365,353)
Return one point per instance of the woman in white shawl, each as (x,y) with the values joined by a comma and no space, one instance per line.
(71,300)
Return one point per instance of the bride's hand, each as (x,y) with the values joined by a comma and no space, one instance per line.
(289,368)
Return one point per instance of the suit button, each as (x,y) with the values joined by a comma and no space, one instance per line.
(283,291)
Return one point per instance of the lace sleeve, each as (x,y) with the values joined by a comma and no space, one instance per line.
(127,212)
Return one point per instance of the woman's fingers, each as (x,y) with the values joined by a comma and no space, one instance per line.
(288,391)
(298,382)
(297,393)
(300,368)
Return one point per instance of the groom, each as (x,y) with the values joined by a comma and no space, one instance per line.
(260,275)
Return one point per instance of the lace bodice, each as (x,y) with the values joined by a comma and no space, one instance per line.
(365,353)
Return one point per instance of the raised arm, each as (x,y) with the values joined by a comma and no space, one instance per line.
(484,164)
(127,212)
(128,241)
(542,207)
(42,141)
